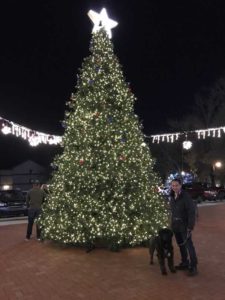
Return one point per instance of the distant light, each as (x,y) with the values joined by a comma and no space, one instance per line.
(218,164)
(182,173)
(6,129)
(187,145)
(34,141)
(102,20)
(6,187)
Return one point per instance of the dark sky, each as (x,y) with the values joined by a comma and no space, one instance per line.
(168,49)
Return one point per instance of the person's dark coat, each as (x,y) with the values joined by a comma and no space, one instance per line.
(182,212)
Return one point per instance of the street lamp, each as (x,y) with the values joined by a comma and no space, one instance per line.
(215,165)
(186,145)
(218,164)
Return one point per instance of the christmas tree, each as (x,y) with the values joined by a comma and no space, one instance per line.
(104,188)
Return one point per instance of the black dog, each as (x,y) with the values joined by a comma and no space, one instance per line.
(162,243)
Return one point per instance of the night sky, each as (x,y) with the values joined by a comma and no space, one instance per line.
(168,50)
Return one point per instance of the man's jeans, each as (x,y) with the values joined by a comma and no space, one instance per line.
(33,213)
(186,248)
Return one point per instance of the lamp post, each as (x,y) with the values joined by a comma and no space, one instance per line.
(218,164)
(215,165)
(186,145)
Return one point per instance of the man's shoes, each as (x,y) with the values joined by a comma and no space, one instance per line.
(26,239)
(182,266)
(192,271)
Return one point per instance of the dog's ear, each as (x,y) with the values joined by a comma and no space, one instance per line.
(165,234)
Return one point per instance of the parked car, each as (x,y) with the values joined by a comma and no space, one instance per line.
(220,193)
(201,192)
(198,191)
(210,194)
(195,190)
(214,193)
(12,203)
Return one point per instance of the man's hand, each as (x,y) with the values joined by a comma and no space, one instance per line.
(189,232)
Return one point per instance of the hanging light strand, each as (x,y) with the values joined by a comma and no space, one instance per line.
(200,134)
(35,137)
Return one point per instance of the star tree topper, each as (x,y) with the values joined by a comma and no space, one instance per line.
(102,20)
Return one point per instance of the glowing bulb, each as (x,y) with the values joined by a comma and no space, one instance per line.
(6,129)
(187,145)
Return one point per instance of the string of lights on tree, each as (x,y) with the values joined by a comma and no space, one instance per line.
(36,138)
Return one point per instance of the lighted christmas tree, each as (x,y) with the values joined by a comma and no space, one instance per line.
(104,188)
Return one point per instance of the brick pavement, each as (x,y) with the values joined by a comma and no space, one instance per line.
(33,270)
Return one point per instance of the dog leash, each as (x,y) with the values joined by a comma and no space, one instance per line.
(187,238)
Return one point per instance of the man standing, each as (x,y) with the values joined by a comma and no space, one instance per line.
(183,221)
(35,198)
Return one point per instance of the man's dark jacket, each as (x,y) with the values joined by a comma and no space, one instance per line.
(183,212)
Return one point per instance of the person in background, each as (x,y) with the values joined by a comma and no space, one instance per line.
(183,214)
(35,198)
(44,187)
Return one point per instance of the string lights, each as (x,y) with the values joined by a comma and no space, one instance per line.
(36,138)
(199,133)
(33,137)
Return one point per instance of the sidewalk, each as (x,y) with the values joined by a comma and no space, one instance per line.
(13,221)
(40,271)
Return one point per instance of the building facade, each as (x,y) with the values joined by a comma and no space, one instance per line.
(22,175)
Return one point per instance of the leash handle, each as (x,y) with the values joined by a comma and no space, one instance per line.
(187,238)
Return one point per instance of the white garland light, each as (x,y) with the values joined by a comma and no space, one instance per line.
(201,134)
(33,137)
(36,138)
(6,129)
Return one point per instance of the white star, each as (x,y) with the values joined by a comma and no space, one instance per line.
(102,20)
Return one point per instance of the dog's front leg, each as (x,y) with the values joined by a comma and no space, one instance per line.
(171,264)
(162,264)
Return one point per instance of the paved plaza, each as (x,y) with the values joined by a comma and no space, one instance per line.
(40,271)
